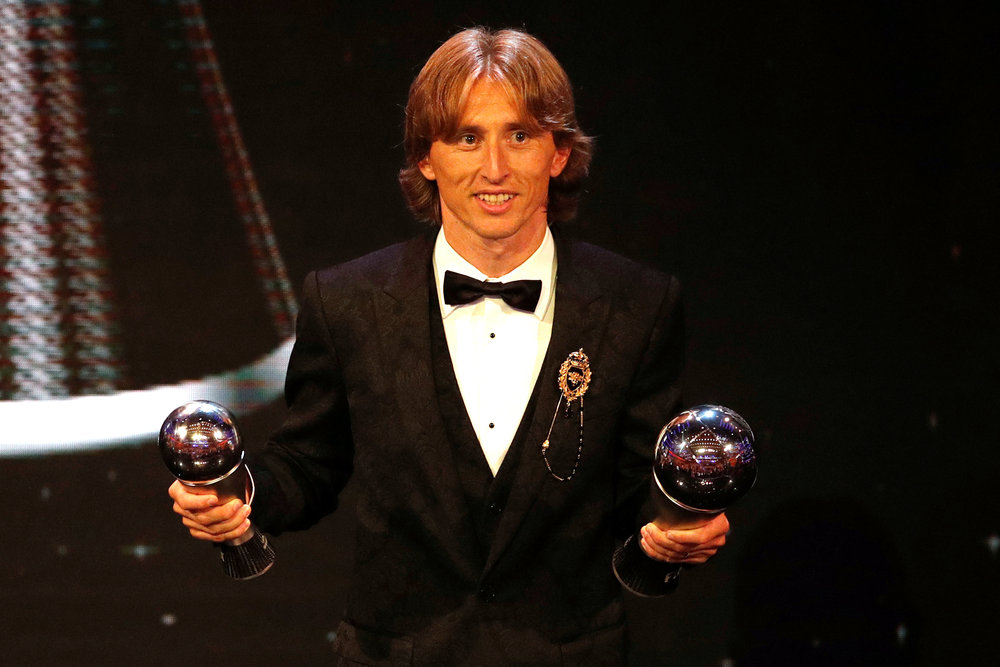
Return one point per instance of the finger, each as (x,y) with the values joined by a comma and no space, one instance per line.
(178,488)
(668,556)
(216,515)
(693,545)
(656,545)
(712,533)
(218,531)
(193,497)
(687,542)
(221,537)
(674,556)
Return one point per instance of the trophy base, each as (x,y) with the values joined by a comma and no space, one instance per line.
(641,574)
(249,557)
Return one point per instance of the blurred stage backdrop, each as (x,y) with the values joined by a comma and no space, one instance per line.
(823,177)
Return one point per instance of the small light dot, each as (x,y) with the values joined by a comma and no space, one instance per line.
(112,475)
(331,636)
(62,549)
(139,551)
(45,493)
(168,619)
(993,544)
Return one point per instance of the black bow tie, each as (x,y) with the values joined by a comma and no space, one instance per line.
(461,289)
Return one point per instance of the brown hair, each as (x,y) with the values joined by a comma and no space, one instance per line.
(535,80)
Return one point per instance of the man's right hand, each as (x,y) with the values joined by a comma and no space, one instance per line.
(204,517)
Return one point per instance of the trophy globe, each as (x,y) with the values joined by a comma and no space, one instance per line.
(704,460)
(201,447)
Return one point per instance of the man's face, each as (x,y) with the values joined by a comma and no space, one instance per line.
(493,174)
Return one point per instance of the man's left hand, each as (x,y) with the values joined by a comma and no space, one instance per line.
(691,546)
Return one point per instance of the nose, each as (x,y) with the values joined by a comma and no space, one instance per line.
(495,168)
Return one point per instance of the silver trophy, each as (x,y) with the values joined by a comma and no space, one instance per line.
(201,446)
(704,462)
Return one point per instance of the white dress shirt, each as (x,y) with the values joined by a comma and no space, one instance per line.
(497,351)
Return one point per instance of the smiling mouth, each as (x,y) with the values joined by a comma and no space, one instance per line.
(495,199)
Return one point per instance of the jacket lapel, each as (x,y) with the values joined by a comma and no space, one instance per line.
(579,322)
(403,328)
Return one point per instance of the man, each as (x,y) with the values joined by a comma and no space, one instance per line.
(477,543)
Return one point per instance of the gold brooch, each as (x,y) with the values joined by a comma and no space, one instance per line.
(574,380)
(574,376)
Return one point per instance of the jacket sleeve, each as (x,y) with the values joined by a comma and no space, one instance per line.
(309,459)
(652,399)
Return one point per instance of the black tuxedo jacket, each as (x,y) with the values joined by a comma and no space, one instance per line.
(443,576)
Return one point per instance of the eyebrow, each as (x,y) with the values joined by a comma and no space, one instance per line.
(479,129)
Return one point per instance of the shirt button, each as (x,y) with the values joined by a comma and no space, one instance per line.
(492,335)
(492,425)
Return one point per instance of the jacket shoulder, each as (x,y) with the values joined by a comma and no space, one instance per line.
(615,273)
(400,263)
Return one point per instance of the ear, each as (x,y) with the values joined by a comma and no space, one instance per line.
(426,169)
(559,160)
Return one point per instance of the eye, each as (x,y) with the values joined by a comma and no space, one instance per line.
(467,140)
(520,137)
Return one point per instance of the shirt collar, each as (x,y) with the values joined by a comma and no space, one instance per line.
(540,266)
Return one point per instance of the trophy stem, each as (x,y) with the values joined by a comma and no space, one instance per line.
(642,575)
(248,556)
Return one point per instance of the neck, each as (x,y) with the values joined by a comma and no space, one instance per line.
(495,257)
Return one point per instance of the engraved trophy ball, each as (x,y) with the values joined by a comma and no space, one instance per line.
(705,458)
(199,443)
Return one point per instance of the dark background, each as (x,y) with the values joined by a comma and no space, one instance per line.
(823,177)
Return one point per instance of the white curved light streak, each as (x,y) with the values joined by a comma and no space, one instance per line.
(128,418)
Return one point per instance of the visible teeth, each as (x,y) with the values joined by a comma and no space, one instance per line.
(496,199)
